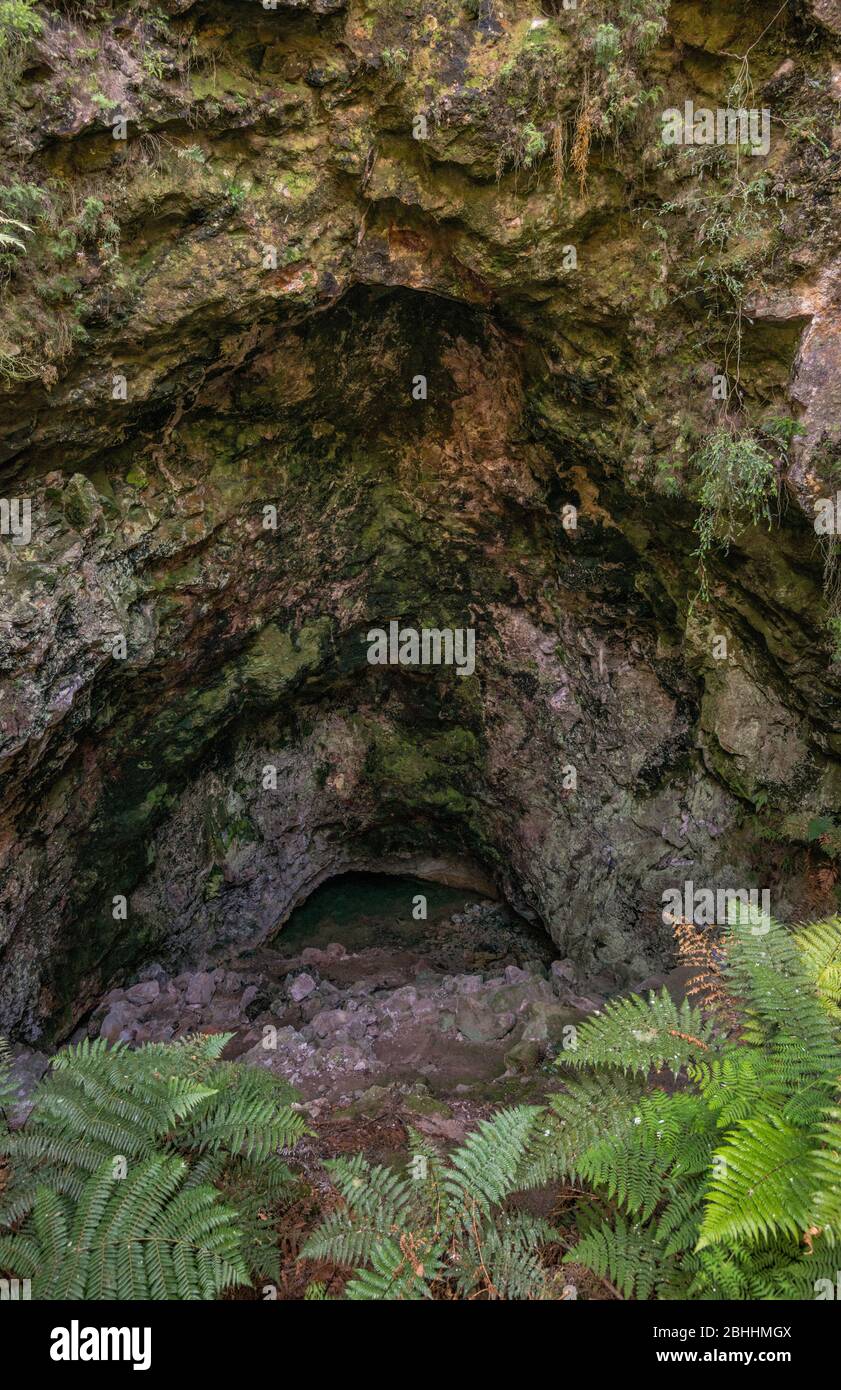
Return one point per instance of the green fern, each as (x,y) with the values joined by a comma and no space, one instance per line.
(730,1188)
(640,1036)
(820,948)
(622,1253)
(8,1092)
(7,240)
(158,1167)
(142,1237)
(443,1225)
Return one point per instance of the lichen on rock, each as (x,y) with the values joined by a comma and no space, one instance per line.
(212,340)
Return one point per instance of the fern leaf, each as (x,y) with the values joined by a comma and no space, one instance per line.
(763,1183)
(640,1036)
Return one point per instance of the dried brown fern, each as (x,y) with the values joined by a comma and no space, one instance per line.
(560,140)
(580,157)
(705,953)
(584,121)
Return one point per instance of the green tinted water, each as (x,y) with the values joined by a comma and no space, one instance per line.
(362,910)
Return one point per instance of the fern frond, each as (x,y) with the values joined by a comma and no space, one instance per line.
(173,1119)
(622,1253)
(376,1195)
(826,1213)
(819,944)
(768,971)
(732,1085)
(640,1036)
(485,1169)
(8,1093)
(393,1276)
(244,1117)
(338,1239)
(763,1183)
(667,1135)
(513,1268)
(679,1223)
(590,1108)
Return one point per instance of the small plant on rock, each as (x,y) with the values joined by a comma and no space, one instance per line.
(607,44)
(737,482)
(8,241)
(19,24)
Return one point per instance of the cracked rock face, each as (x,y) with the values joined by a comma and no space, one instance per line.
(302,375)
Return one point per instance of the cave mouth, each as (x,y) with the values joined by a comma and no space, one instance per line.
(363,910)
(248,748)
(193,794)
(383,978)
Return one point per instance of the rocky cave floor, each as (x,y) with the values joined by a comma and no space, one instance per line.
(445,1009)
(468,1002)
(431,1028)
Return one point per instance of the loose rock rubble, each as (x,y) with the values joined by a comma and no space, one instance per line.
(467,1011)
(332,1022)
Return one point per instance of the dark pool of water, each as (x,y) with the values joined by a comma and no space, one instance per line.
(362,910)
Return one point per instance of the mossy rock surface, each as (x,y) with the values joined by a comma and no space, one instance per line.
(226,313)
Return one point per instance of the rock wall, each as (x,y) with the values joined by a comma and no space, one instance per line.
(219,322)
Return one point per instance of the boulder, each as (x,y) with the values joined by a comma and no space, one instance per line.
(401,1001)
(517,997)
(547,1022)
(524,1057)
(153,1031)
(28,1066)
(201,988)
(312,955)
(154,972)
(301,986)
(143,993)
(562,974)
(479,1023)
(311,1006)
(330,1021)
(357,1029)
(676,981)
(119,1024)
(249,994)
(467,984)
(827,13)
(515,976)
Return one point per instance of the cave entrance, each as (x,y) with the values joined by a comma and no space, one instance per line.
(359,988)
(448,927)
